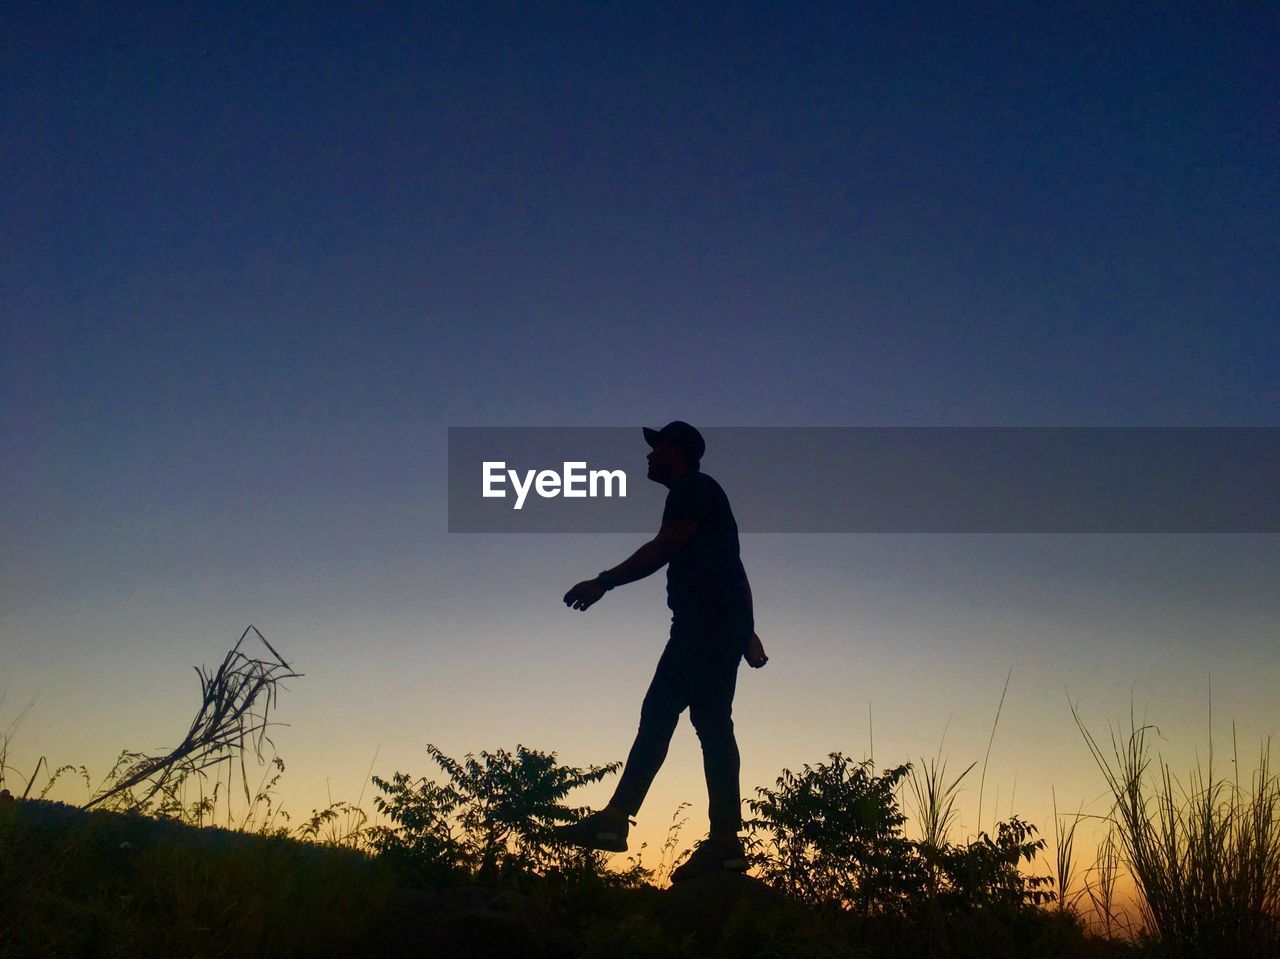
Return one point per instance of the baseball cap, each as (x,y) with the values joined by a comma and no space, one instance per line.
(681,434)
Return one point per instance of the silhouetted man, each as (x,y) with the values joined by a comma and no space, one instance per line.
(712,629)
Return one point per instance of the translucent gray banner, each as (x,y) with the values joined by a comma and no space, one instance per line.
(879,479)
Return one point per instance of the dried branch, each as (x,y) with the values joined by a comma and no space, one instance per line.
(235,702)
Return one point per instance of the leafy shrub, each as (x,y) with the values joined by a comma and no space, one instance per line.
(492,819)
(985,871)
(832,836)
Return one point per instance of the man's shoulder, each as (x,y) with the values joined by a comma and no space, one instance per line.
(696,493)
(698,485)
(705,491)
(711,487)
(699,478)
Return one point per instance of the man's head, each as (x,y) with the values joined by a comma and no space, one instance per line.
(677,448)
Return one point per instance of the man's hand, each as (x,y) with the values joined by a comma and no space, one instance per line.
(755,652)
(584,594)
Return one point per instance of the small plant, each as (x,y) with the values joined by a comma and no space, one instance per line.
(660,877)
(987,872)
(424,843)
(6,737)
(338,824)
(492,819)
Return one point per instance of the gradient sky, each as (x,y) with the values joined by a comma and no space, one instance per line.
(258,259)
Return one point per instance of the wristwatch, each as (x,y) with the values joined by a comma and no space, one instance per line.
(606,580)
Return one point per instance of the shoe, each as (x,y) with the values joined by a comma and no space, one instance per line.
(596,831)
(713,855)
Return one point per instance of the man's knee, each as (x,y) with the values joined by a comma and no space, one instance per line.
(713,722)
(659,712)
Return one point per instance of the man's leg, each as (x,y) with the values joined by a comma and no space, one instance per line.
(659,714)
(711,710)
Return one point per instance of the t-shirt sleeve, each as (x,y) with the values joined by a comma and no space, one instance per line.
(686,502)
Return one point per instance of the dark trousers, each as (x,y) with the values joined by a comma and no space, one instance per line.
(698,669)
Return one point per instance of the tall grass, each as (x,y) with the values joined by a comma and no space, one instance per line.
(934,801)
(982,780)
(1100,887)
(1204,856)
(1064,836)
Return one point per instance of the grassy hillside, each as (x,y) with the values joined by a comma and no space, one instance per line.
(467,863)
(101,883)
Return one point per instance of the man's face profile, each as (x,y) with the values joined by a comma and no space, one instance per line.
(663,460)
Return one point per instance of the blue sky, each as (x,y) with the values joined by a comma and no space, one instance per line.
(258,260)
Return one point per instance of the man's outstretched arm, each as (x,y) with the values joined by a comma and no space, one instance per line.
(645,561)
(655,554)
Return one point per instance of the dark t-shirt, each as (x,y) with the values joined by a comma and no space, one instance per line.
(704,579)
